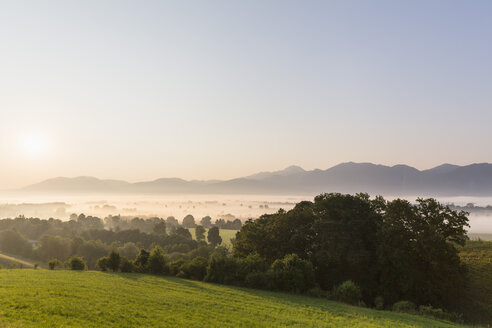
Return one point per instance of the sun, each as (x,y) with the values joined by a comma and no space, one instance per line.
(33,145)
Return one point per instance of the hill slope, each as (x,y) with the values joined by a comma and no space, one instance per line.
(42,298)
(443,180)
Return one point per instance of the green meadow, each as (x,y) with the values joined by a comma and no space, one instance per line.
(43,298)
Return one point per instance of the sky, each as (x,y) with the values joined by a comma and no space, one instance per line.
(138,90)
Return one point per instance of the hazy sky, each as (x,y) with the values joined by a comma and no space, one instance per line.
(138,90)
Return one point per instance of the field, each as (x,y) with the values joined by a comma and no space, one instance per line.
(43,298)
(226,235)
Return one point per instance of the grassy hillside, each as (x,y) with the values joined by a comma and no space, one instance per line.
(7,261)
(45,298)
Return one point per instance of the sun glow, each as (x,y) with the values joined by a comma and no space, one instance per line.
(33,145)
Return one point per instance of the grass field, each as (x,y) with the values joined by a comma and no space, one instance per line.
(43,298)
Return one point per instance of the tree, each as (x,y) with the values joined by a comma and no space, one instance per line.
(141,260)
(129,250)
(213,236)
(114,260)
(200,233)
(189,221)
(183,232)
(77,263)
(160,229)
(54,247)
(206,222)
(13,242)
(54,263)
(395,250)
(157,262)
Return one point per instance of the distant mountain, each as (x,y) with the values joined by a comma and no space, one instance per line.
(398,180)
(287,171)
(78,184)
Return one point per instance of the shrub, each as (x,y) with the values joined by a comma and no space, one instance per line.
(126,265)
(103,263)
(293,274)
(222,269)
(196,268)
(405,307)
(379,303)
(36,266)
(175,266)
(260,280)
(316,292)
(54,263)
(76,263)
(429,311)
(348,292)
(156,263)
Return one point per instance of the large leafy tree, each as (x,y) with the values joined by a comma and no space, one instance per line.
(395,249)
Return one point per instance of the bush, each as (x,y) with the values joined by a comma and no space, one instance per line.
(429,311)
(76,263)
(259,280)
(54,263)
(195,269)
(103,263)
(156,263)
(316,292)
(405,307)
(222,269)
(126,265)
(348,292)
(293,274)
(175,266)
(379,303)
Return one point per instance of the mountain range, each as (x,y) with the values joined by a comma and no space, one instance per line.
(398,180)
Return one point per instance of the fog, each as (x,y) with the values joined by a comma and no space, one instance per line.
(227,207)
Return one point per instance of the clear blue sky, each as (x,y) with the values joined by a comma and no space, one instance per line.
(217,89)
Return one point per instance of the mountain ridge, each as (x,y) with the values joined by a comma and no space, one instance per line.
(350,177)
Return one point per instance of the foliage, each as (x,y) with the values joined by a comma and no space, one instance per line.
(114,260)
(477,301)
(103,263)
(213,236)
(160,228)
(54,263)
(200,233)
(156,263)
(189,221)
(194,269)
(293,274)
(12,242)
(390,249)
(126,265)
(405,307)
(76,263)
(379,303)
(347,292)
